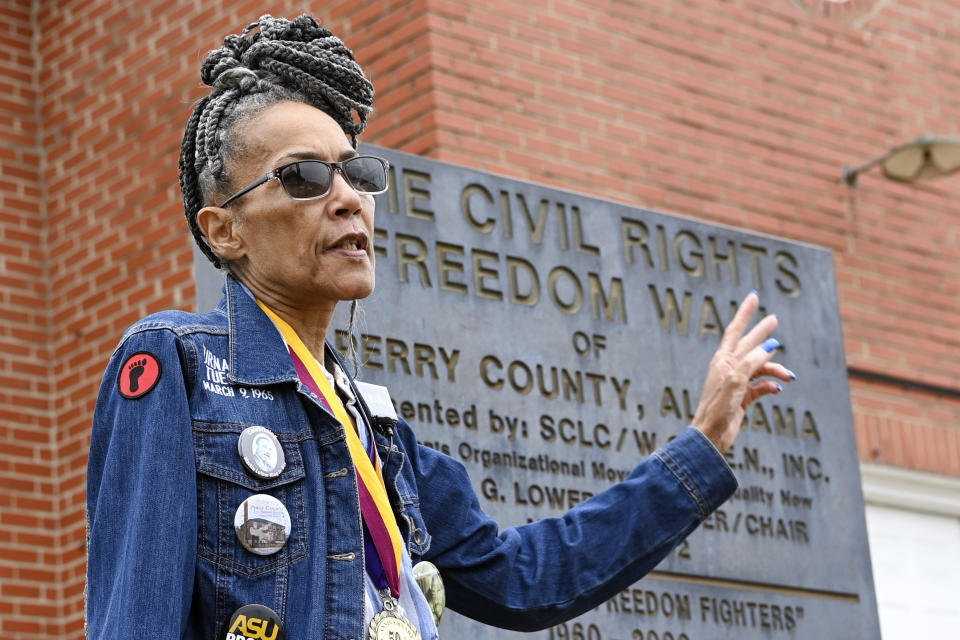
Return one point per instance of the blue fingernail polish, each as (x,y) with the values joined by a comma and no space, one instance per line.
(792,375)
(770,344)
(754,292)
(779,388)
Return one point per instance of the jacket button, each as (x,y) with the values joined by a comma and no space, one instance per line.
(418,536)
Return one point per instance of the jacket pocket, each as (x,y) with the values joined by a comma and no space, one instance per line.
(223,484)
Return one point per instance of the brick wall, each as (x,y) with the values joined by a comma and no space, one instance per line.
(740,112)
(28,499)
(109,122)
(96,94)
(906,427)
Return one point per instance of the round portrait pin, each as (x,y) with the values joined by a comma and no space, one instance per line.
(261,452)
(262,524)
(431,584)
(138,375)
(254,621)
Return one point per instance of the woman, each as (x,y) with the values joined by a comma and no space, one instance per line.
(190,534)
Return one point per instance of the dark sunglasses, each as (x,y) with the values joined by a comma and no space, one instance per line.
(310,179)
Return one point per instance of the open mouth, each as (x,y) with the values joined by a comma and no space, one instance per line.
(352,242)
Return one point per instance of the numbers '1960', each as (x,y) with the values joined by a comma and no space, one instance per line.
(575,631)
(580,631)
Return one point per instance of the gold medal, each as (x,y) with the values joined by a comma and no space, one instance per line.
(431,584)
(390,625)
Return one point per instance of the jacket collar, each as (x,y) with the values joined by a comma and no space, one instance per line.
(258,354)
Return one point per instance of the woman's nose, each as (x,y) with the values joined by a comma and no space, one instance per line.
(344,197)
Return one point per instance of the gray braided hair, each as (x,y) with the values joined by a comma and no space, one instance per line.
(272,60)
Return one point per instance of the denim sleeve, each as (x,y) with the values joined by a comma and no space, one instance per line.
(533,576)
(141,497)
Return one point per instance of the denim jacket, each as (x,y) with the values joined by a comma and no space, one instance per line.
(165,479)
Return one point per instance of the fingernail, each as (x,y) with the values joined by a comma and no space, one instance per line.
(754,292)
(770,344)
(779,388)
(792,375)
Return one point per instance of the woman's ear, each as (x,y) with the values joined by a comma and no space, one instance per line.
(219,226)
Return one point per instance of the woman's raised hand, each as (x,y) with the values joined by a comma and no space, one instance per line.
(733,377)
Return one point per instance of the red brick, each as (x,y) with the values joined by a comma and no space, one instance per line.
(741,114)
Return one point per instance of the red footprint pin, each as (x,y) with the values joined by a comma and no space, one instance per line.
(138,375)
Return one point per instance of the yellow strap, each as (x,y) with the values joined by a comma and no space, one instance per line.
(370,475)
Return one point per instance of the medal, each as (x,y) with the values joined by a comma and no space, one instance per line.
(389,624)
(382,542)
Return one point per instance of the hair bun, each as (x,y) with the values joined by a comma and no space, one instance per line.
(236,78)
(221,60)
(299,55)
(267,29)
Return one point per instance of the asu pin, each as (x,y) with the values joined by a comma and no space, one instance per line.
(254,622)
(138,375)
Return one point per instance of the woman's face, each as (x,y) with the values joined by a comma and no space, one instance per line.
(301,251)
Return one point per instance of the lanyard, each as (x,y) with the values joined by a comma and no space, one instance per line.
(380,525)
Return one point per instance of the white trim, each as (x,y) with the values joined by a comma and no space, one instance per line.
(890,486)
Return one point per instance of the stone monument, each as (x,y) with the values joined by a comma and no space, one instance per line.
(550,341)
